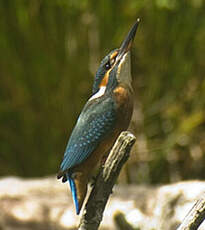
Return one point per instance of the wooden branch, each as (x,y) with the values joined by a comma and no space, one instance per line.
(121,222)
(195,216)
(94,208)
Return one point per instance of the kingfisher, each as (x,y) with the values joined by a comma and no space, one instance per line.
(105,115)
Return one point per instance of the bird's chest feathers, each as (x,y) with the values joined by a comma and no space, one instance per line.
(122,97)
(124,104)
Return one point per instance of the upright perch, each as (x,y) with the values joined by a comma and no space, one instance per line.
(93,211)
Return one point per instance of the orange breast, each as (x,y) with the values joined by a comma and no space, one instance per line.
(124,100)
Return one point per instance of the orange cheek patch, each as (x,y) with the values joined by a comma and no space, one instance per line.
(114,55)
(105,79)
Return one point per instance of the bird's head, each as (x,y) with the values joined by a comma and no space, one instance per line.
(116,66)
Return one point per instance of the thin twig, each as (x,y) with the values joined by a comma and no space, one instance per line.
(94,208)
(195,216)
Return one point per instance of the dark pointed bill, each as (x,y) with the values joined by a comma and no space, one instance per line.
(127,43)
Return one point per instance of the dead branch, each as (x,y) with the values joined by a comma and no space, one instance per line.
(195,216)
(94,208)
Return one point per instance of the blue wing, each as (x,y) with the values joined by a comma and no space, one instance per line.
(94,122)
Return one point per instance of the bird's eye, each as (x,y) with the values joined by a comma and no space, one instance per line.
(107,65)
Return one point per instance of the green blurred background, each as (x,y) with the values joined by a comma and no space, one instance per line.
(49,52)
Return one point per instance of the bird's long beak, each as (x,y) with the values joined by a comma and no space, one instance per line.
(127,43)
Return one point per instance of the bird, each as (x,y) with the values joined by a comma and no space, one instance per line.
(105,115)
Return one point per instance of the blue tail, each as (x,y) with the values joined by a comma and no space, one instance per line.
(74,192)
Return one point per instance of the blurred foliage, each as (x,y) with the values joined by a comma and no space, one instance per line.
(50,50)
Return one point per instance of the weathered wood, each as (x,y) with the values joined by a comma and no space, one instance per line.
(94,208)
(195,216)
(121,222)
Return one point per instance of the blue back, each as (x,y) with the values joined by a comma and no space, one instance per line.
(95,121)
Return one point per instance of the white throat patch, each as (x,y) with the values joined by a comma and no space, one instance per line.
(99,93)
(124,70)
